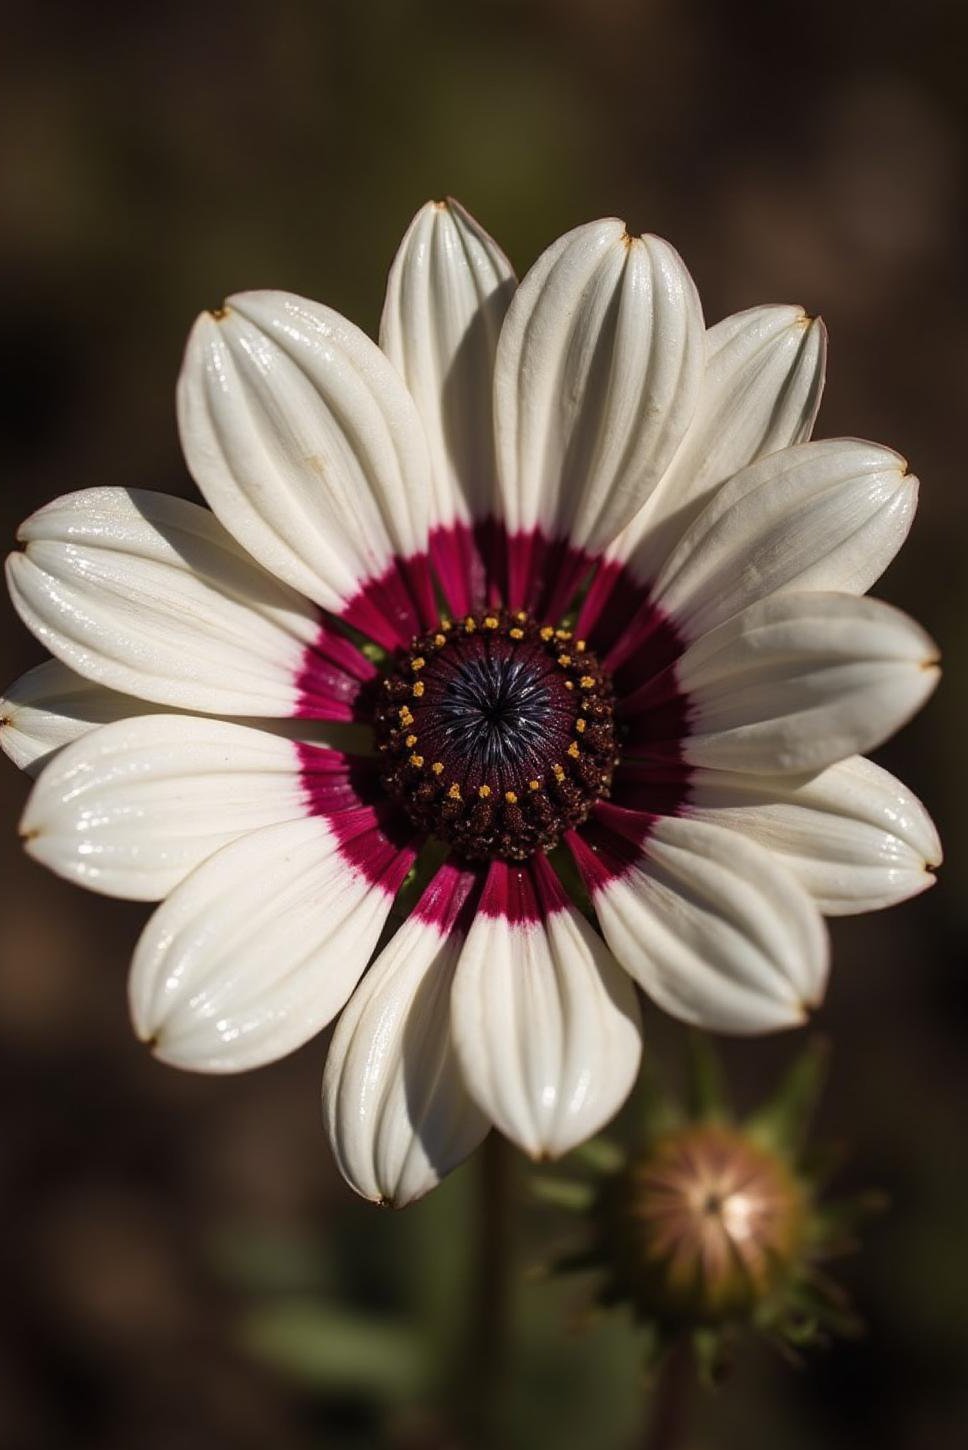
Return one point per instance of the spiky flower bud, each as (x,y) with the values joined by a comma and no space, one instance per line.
(710,1225)
(704,1226)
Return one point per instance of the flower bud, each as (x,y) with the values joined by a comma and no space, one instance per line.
(704,1226)
(709,1226)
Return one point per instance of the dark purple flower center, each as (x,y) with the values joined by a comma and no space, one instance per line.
(497,734)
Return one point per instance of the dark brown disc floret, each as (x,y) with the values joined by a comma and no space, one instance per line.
(497,733)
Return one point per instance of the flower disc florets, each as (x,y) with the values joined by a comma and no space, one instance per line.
(497,733)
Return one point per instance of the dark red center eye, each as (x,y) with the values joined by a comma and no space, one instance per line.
(497,734)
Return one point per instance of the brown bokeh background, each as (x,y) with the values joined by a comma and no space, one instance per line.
(180,1266)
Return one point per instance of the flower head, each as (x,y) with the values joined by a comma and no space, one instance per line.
(550,574)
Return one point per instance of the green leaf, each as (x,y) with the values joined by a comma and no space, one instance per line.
(570,1194)
(329,1347)
(599,1155)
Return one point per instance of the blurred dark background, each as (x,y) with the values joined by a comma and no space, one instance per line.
(179,1265)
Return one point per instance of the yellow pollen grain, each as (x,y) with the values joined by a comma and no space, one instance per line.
(580,646)
(516,633)
(511,797)
(446,624)
(564,661)
(419,688)
(580,726)
(454,792)
(405,716)
(491,621)
(586,682)
(469,625)
(521,615)
(440,640)
(569,684)
(483,791)
(410,741)
(534,785)
(438,767)
(418,663)
(562,634)
(547,633)
(573,750)
(417,760)
(558,771)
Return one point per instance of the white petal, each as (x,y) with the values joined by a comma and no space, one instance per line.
(130,809)
(709,924)
(447,293)
(856,838)
(796,682)
(304,441)
(148,595)
(761,391)
(398,1115)
(49,706)
(597,376)
(546,1025)
(262,944)
(827,515)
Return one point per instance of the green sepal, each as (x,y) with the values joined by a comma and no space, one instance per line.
(783,1122)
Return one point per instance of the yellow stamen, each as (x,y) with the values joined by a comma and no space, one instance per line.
(534,785)
(440,640)
(483,791)
(418,663)
(438,767)
(564,661)
(410,741)
(491,621)
(416,760)
(469,625)
(586,682)
(573,750)
(418,688)
(516,633)
(454,792)
(580,726)
(510,797)
(558,772)
(405,716)
(547,633)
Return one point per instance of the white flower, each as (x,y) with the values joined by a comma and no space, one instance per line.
(582,442)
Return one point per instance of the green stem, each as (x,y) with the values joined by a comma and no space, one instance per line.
(490,1298)
(668,1418)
